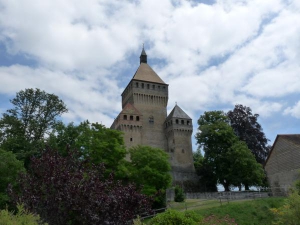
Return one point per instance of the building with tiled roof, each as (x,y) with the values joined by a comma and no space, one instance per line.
(283,163)
(144,121)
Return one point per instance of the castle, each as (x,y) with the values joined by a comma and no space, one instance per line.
(144,121)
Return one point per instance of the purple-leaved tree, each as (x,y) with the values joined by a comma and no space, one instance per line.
(65,190)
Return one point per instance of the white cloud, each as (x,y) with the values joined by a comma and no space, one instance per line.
(213,56)
(293,111)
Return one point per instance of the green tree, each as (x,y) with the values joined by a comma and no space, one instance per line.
(226,156)
(34,114)
(10,167)
(100,144)
(205,172)
(150,169)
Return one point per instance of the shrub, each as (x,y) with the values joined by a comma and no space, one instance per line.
(65,190)
(20,218)
(179,195)
(289,213)
(172,217)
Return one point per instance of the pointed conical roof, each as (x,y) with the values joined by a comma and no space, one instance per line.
(143,57)
(177,112)
(146,73)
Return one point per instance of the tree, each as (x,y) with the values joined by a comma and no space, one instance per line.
(10,168)
(227,157)
(23,128)
(100,144)
(205,172)
(150,169)
(65,190)
(246,127)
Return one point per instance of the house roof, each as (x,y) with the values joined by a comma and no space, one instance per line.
(130,109)
(177,112)
(290,139)
(146,73)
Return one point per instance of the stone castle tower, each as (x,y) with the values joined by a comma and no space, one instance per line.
(144,121)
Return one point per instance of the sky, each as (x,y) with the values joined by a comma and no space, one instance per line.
(212,53)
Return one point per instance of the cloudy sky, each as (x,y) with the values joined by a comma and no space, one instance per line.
(212,53)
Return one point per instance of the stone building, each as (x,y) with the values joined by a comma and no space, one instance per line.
(144,121)
(283,163)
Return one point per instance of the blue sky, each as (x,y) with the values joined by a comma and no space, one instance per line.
(213,55)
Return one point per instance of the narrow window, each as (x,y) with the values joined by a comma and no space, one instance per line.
(131,117)
(130,139)
(158,87)
(148,86)
(176,121)
(137,84)
(142,85)
(188,122)
(125,117)
(151,119)
(182,121)
(153,86)
(137,118)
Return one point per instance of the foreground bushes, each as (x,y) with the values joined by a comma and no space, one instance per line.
(22,217)
(172,217)
(71,190)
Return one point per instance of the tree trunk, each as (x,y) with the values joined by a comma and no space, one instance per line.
(246,187)
(226,186)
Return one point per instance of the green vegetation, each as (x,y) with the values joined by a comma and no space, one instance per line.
(10,167)
(227,158)
(22,217)
(179,195)
(246,212)
(173,217)
(22,128)
(149,168)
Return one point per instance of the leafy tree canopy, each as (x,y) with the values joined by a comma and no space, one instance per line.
(150,169)
(23,128)
(228,159)
(10,168)
(100,144)
(246,127)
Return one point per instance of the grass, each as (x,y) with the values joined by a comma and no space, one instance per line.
(254,212)
(243,212)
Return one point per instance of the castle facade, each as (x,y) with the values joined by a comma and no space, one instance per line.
(144,121)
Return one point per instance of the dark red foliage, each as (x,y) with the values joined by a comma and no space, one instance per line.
(246,127)
(65,190)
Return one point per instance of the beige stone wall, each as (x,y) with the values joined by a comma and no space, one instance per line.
(180,149)
(283,164)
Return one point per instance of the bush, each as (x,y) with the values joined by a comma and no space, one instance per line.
(65,190)
(179,195)
(289,213)
(172,217)
(21,218)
